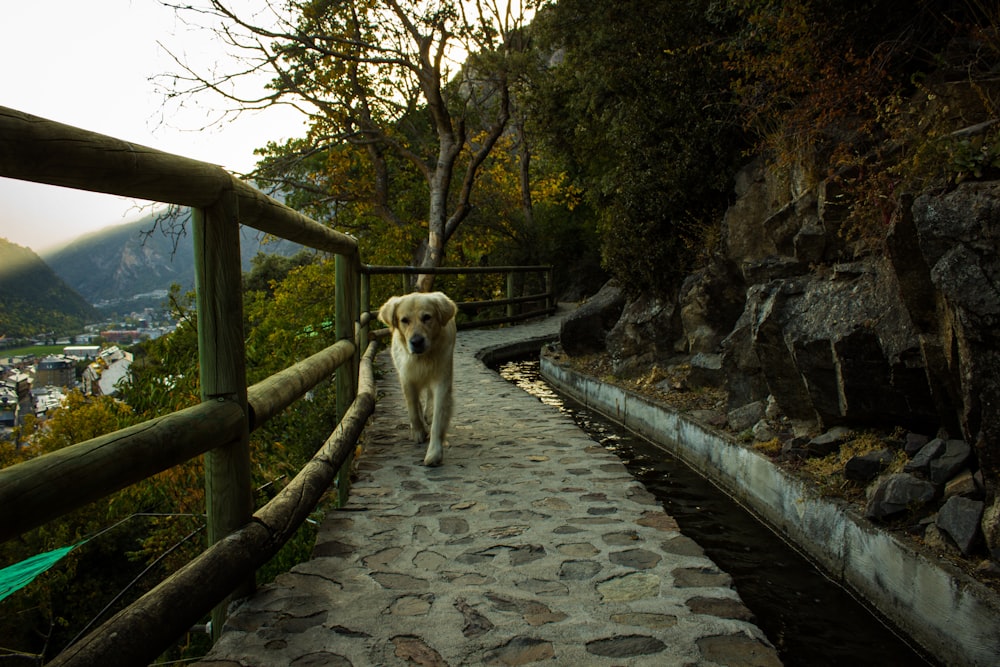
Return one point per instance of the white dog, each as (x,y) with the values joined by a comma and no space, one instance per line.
(423,344)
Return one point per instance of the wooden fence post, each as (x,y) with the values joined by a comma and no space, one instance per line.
(550,298)
(366,306)
(222,363)
(511,308)
(348,274)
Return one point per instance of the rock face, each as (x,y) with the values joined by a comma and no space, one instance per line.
(833,346)
(958,235)
(808,332)
(832,334)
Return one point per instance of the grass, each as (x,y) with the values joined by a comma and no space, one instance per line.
(828,471)
(37,350)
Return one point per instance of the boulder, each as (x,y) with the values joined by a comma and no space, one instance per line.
(764,431)
(955,456)
(964,484)
(896,494)
(914,443)
(771,209)
(868,466)
(709,302)
(830,441)
(644,334)
(705,371)
(585,329)
(921,461)
(959,518)
(745,381)
(746,416)
(820,446)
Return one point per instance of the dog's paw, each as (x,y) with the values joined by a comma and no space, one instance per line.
(434,456)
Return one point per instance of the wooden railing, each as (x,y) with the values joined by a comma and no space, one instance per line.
(241,539)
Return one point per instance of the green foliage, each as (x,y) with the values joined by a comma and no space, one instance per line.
(268,270)
(288,318)
(42,618)
(975,157)
(654,145)
(33,299)
(163,377)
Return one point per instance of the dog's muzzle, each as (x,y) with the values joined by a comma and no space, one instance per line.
(418,344)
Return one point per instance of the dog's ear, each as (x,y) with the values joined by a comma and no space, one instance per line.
(445,308)
(387,313)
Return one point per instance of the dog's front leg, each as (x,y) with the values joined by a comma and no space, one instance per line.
(442,400)
(418,427)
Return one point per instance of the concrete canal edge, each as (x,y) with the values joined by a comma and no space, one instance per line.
(951,615)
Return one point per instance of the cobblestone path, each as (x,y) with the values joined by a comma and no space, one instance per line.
(531,544)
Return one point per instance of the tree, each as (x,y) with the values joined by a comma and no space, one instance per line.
(634,98)
(383,88)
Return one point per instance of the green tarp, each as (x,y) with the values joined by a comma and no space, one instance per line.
(19,575)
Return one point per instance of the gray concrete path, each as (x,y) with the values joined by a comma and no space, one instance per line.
(530,544)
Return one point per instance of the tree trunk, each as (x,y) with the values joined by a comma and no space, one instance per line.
(437,214)
(525,174)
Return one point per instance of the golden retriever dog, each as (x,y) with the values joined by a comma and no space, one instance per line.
(423,344)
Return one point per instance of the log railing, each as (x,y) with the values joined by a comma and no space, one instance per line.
(241,540)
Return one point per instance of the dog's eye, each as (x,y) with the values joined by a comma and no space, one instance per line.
(425,318)
(405,320)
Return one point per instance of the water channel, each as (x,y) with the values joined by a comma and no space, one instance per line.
(811,620)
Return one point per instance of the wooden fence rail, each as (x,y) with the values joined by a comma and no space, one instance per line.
(547,298)
(38,490)
(44,488)
(136,635)
(44,151)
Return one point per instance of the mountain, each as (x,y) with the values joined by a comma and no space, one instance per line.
(34,299)
(127,262)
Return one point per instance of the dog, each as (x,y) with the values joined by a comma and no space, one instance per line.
(423,345)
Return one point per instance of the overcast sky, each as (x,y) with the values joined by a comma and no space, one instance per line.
(89,64)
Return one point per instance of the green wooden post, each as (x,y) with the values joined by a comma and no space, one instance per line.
(221,357)
(348,272)
(366,306)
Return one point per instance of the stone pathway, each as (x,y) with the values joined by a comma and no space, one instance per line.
(530,544)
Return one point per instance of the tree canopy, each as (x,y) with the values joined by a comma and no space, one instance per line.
(634,99)
(395,93)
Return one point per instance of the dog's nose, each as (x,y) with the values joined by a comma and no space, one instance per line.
(417,344)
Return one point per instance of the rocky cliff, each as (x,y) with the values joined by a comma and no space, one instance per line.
(808,332)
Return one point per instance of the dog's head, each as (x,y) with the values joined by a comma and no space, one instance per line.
(418,318)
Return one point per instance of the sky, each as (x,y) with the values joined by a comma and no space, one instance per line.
(90,64)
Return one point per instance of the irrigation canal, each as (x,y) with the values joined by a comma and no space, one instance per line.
(811,620)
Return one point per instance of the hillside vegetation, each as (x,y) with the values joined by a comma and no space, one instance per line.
(33,299)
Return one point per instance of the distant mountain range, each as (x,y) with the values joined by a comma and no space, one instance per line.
(124,262)
(121,268)
(35,300)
